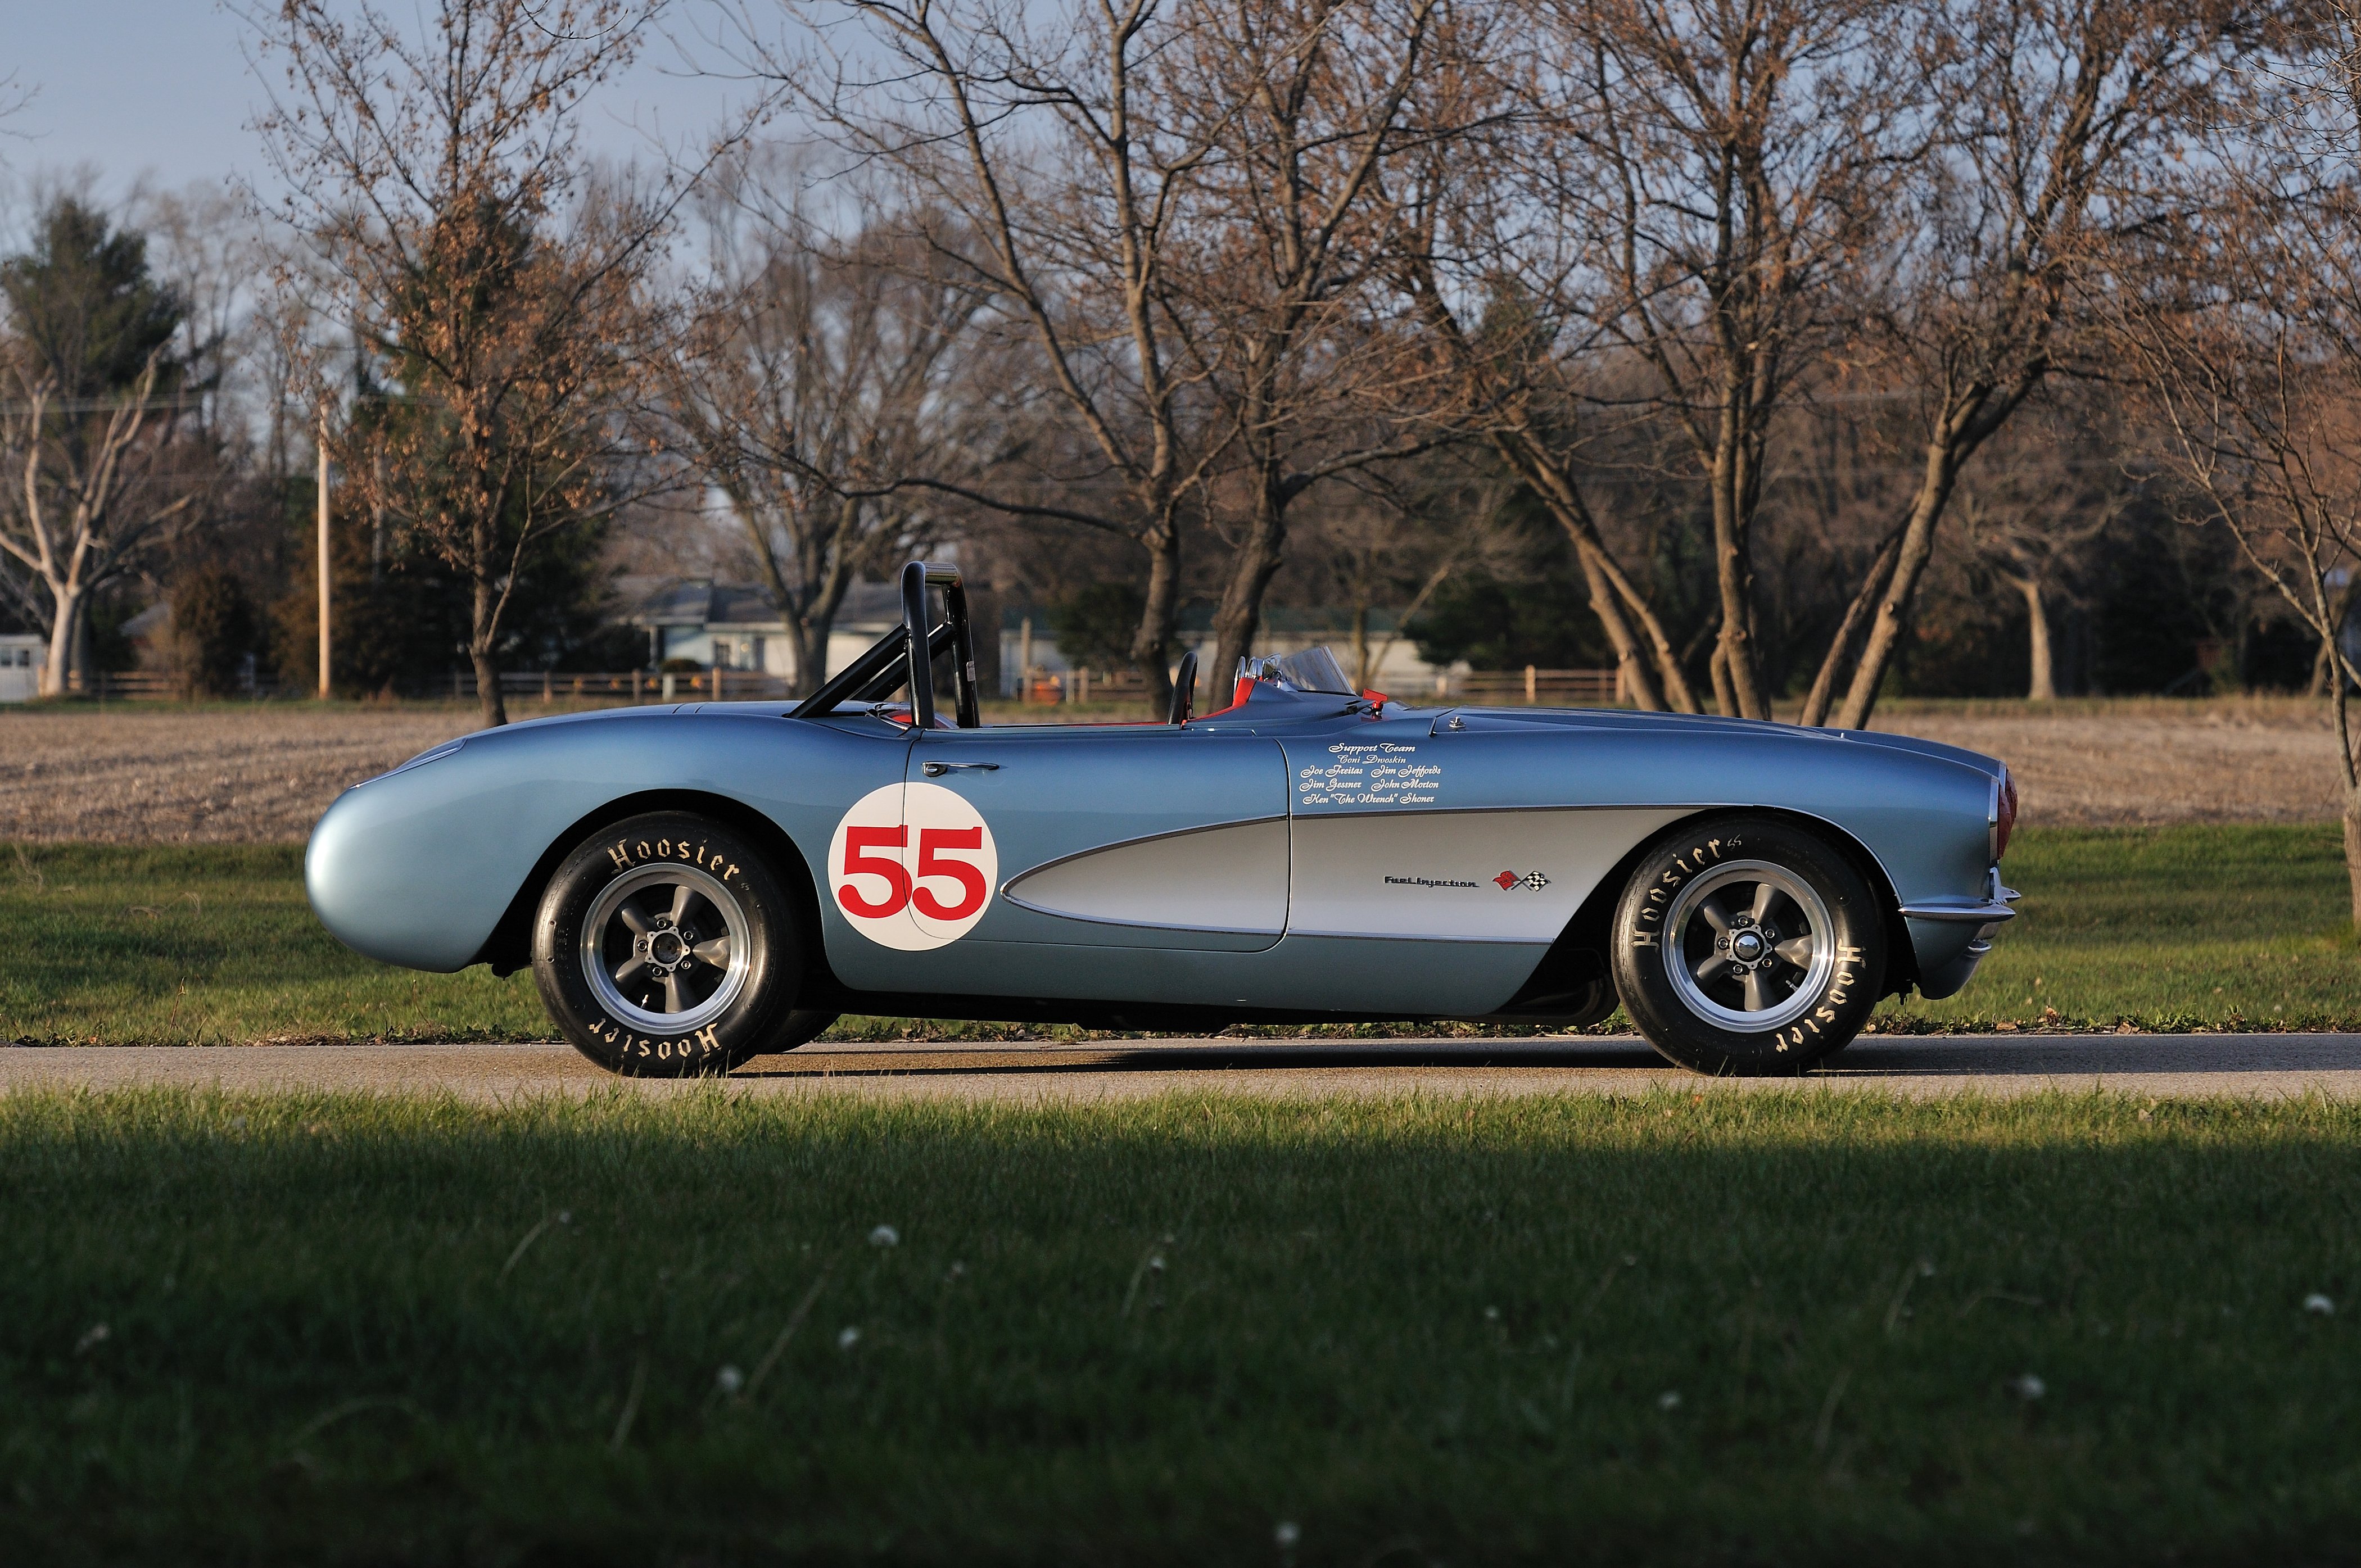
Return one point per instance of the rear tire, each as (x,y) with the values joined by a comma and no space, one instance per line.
(665,947)
(1748,945)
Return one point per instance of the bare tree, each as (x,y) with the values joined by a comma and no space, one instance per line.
(436,172)
(1305,102)
(2246,338)
(1662,235)
(1397,532)
(2059,118)
(1048,136)
(819,371)
(1732,158)
(2035,521)
(92,399)
(1512,369)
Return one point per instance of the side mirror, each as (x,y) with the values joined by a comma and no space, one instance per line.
(1184,688)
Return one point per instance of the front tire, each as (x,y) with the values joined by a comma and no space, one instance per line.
(1748,945)
(665,947)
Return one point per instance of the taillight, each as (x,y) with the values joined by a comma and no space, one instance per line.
(2004,813)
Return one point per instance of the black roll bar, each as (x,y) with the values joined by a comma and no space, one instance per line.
(1184,688)
(890,663)
(917,578)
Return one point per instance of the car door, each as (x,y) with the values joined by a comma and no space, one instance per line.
(1063,859)
(1415,830)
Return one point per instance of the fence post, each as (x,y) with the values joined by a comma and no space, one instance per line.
(635,685)
(1532,686)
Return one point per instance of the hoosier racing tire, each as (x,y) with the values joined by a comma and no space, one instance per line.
(1748,945)
(665,947)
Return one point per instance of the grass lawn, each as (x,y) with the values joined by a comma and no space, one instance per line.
(2215,927)
(2168,927)
(1703,1327)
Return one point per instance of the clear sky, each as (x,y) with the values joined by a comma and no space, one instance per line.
(161,90)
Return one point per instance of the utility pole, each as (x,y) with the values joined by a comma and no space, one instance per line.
(321,485)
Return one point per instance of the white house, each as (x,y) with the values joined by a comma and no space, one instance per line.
(735,624)
(20,666)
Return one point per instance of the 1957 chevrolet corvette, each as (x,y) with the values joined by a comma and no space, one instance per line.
(693,884)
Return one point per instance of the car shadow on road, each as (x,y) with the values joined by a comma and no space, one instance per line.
(921,1058)
(1890,1055)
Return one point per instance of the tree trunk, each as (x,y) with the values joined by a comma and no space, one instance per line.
(1639,673)
(1161,612)
(1893,607)
(2353,851)
(2043,687)
(1840,646)
(1258,561)
(1736,685)
(2339,703)
(1725,694)
(65,630)
(482,630)
(492,705)
(1667,686)
(809,644)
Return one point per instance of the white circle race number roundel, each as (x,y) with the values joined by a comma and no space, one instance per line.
(913,866)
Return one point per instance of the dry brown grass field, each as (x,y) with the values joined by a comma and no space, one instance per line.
(232,772)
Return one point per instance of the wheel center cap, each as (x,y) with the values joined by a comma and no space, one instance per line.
(1746,946)
(666,947)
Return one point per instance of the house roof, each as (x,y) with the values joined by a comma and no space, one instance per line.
(1198,619)
(704,602)
(156,618)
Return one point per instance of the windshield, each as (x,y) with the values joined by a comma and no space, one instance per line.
(1314,670)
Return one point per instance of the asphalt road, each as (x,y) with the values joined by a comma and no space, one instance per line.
(2161,1065)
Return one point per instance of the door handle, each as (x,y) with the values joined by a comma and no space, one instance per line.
(937,769)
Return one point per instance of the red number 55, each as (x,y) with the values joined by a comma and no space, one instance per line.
(971,880)
(932,863)
(858,861)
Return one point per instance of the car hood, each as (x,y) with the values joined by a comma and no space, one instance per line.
(1627,720)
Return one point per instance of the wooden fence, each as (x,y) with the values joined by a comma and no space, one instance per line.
(1527,687)
(1532,687)
(527,685)
(633,685)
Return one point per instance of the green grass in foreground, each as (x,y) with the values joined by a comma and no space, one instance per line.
(1718,1327)
(2212,926)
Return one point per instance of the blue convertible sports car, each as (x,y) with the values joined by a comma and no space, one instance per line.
(693,884)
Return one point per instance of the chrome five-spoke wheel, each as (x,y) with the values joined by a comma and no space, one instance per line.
(664,948)
(1748,946)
